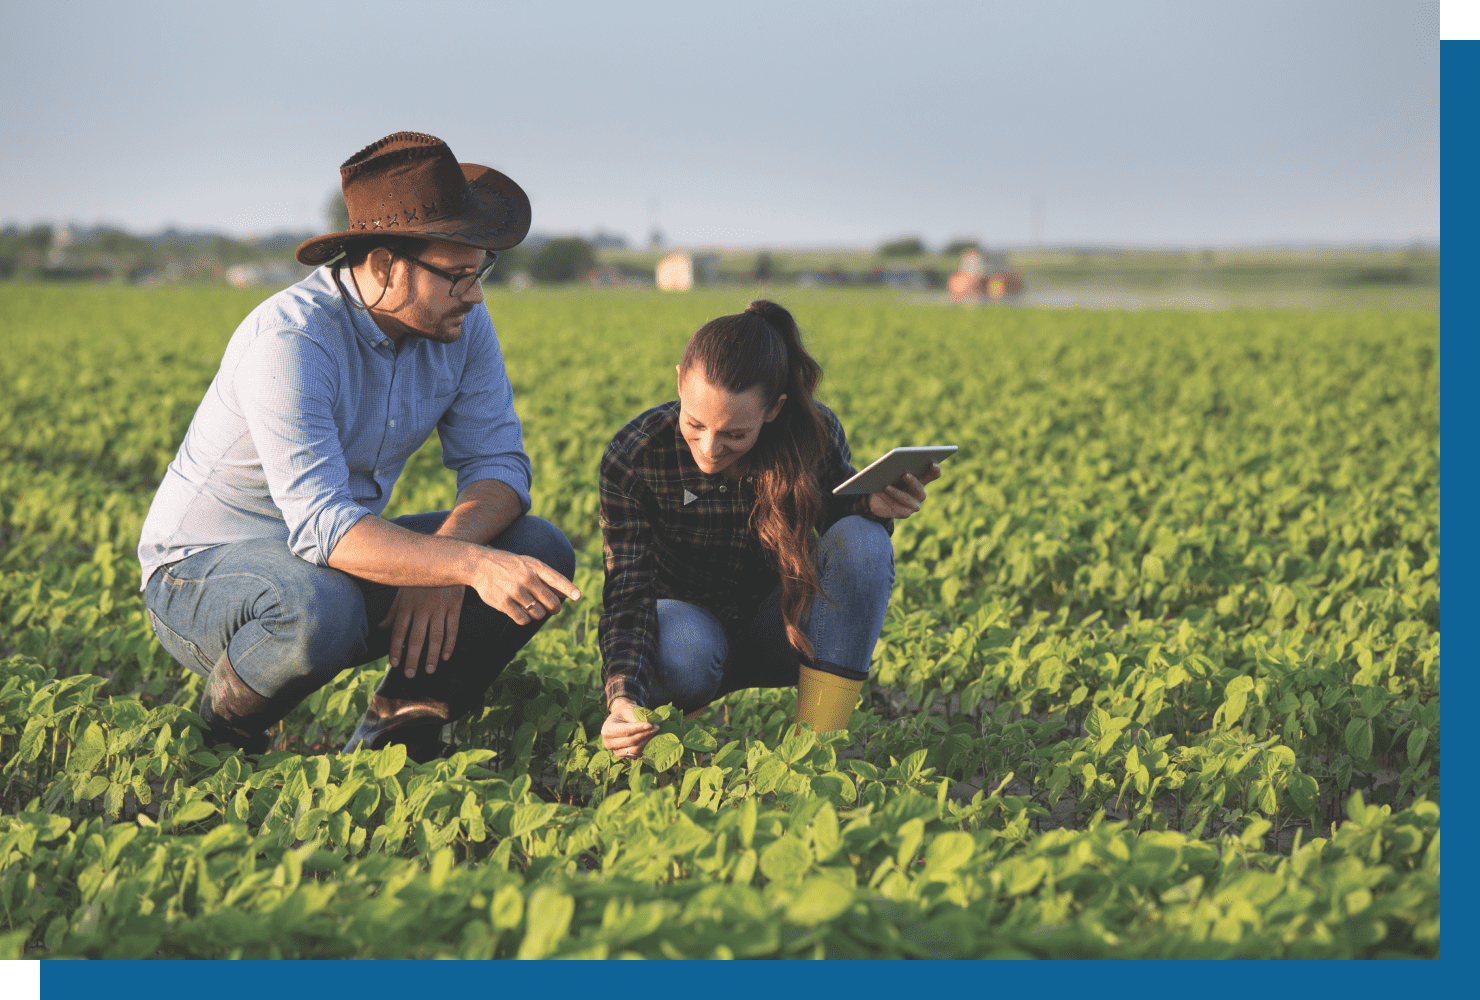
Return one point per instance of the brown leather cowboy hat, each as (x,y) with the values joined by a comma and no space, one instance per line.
(410,184)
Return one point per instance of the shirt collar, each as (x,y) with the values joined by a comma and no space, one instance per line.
(691,477)
(364,325)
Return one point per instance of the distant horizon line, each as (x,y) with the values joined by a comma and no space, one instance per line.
(817,247)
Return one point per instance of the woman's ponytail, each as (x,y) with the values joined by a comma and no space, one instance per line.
(762,346)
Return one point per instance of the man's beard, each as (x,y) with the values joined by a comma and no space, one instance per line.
(441,335)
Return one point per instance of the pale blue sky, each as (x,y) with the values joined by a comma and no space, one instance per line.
(760,123)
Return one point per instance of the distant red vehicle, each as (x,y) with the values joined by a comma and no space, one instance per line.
(978,280)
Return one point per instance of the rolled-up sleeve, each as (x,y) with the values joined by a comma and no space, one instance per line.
(480,432)
(287,394)
(628,628)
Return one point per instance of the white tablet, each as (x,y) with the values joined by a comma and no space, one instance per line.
(914,460)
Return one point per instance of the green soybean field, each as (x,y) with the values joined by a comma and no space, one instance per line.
(1159,678)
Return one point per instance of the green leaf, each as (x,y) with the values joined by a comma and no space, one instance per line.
(911,833)
(1236,698)
(785,859)
(732,754)
(309,823)
(1359,738)
(363,806)
(389,761)
(89,750)
(1372,701)
(909,769)
(316,770)
(950,590)
(33,739)
(344,794)
(1304,793)
(507,908)
(1021,875)
(113,798)
(836,787)
(1187,892)
(947,853)
(13,945)
(324,861)
(825,839)
(1097,722)
(1417,740)
(797,746)
(49,826)
(1152,568)
(530,818)
(769,774)
(700,740)
(550,912)
(748,817)
(662,751)
(192,812)
(819,901)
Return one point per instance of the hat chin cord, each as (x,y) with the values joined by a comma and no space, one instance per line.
(340,284)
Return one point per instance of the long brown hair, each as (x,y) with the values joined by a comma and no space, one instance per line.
(763,347)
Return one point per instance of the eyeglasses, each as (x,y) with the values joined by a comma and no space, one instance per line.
(461,283)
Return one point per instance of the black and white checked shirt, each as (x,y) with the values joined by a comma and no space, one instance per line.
(669,530)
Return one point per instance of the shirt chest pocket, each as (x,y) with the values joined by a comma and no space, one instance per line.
(430,409)
(710,520)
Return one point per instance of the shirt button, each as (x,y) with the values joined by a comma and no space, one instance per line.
(723,488)
(393,423)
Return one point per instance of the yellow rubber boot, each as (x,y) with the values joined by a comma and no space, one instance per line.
(825,701)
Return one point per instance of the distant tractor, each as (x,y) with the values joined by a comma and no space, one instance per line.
(982,277)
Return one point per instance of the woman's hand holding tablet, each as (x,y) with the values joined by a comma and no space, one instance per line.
(896,482)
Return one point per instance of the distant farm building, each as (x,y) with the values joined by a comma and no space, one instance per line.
(983,277)
(675,273)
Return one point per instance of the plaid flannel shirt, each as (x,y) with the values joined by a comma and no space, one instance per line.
(669,530)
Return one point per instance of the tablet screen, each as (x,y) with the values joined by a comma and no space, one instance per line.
(913,459)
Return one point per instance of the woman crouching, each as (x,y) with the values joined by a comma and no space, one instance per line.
(711,508)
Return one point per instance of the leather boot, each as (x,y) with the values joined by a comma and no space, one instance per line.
(413,710)
(416,722)
(235,714)
(825,701)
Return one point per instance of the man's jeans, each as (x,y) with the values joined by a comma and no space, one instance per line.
(289,626)
(698,660)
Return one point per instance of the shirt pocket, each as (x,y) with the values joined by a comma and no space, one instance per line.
(430,409)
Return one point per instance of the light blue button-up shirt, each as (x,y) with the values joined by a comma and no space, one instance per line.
(311,418)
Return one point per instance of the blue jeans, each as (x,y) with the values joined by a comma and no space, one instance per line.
(699,659)
(289,626)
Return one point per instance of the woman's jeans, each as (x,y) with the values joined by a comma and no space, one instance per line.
(289,627)
(699,660)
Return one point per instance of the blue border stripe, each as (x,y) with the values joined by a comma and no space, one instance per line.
(1460,84)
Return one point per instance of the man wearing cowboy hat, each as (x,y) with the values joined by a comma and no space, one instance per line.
(266,565)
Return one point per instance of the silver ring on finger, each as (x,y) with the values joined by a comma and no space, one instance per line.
(530,606)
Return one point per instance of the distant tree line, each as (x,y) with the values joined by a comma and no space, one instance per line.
(913,246)
(106,253)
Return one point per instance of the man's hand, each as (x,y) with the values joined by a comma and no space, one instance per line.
(622,733)
(892,501)
(423,617)
(521,587)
